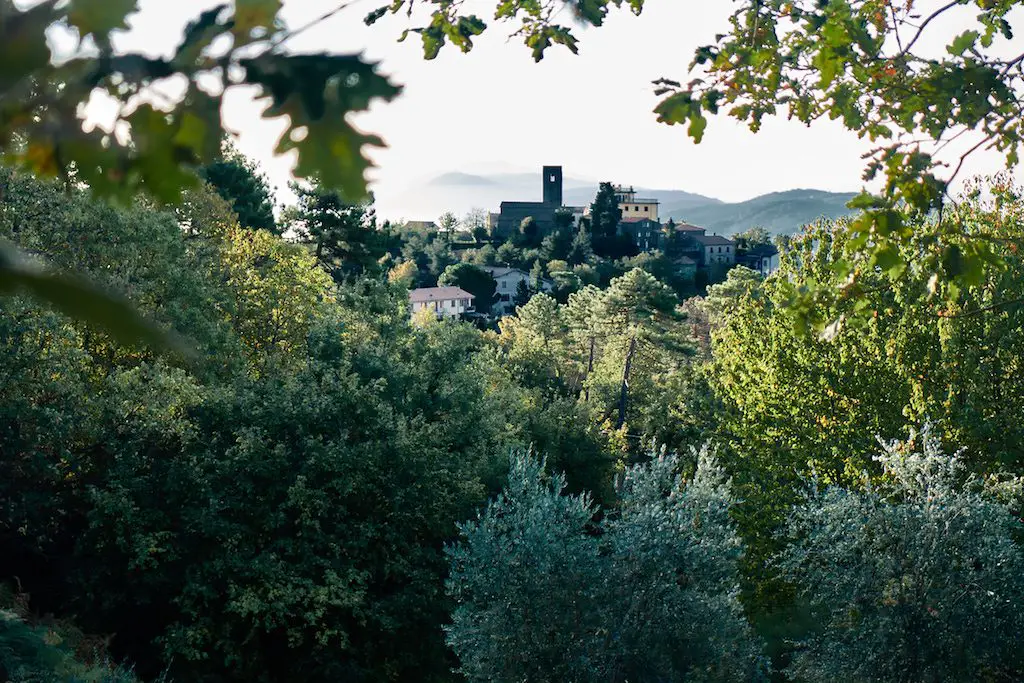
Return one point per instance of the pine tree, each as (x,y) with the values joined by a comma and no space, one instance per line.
(605,216)
(522,294)
(239,181)
(344,236)
(581,250)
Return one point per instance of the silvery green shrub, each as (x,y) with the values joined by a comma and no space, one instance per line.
(671,591)
(545,593)
(915,579)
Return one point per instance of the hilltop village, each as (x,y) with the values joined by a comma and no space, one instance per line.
(527,247)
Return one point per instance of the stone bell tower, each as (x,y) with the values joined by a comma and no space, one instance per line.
(553,185)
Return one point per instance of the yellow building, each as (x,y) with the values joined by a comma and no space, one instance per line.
(635,208)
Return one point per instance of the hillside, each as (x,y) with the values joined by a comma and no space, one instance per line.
(779,212)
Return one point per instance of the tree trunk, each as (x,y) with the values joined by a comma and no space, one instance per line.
(624,391)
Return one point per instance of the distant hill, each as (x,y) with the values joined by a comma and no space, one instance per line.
(584,196)
(779,212)
(456,178)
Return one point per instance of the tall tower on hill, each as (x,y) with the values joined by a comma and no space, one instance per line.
(553,185)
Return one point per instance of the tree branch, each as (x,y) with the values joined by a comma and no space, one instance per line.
(288,35)
(920,29)
(983,309)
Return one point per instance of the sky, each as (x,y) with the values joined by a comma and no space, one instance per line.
(494,109)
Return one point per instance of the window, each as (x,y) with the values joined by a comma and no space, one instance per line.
(503,284)
(645,209)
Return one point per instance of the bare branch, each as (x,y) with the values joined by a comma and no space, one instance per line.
(920,29)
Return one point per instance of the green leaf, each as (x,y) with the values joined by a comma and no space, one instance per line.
(252,16)
(962,43)
(83,301)
(160,164)
(675,108)
(888,258)
(198,36)
(866,200)
(316,93)
(952,261)
(696,128)
(99,17)
(23,47)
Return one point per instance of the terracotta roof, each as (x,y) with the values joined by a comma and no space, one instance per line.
(686,227)
(425,294)
(713,240)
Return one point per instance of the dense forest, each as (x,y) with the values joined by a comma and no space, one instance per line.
(228,451)
(614,484)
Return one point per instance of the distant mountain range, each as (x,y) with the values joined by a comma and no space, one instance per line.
(779,212)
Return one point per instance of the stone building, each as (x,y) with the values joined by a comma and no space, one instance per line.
(512,214)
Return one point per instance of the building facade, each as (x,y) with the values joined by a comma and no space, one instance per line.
(645,233)
(716,249)
(507,284)
(444,302)
(635,208)
(512,214)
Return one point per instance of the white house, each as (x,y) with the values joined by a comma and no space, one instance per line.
(716,249)
(445,302)
(507,281)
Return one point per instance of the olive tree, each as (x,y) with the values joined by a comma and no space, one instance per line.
(917,578)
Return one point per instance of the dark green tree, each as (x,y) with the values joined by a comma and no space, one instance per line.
(239,181)
(557,243)
(522,294)
(917,578)
(474,280)
(343,235)
(605,216)
(581,249)
(529,235)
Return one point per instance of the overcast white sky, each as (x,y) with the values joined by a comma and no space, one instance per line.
(495,109)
